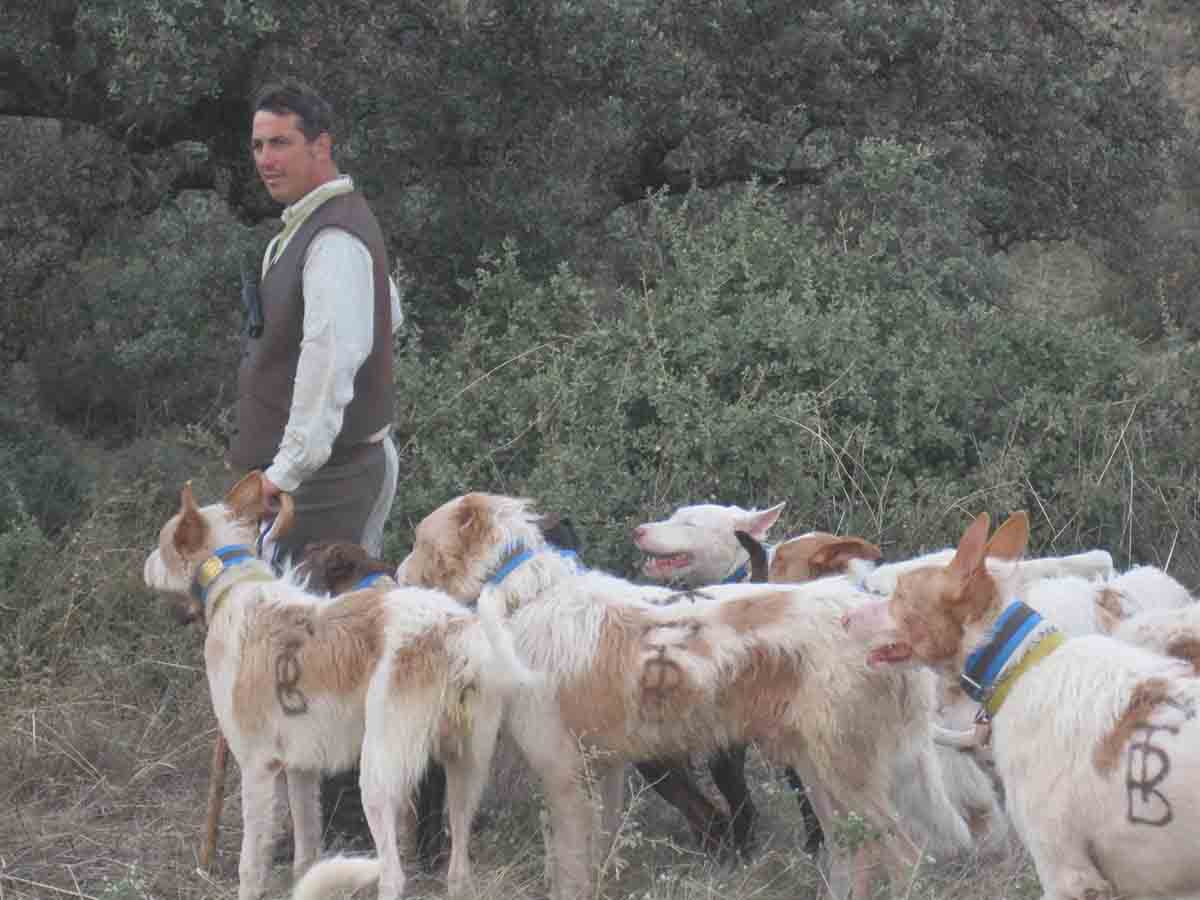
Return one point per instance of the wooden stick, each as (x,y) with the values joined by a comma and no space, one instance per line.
(216,799)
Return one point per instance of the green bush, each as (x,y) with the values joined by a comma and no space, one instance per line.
(153,340)
(761,363)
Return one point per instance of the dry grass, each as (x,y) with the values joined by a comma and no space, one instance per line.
(105,789)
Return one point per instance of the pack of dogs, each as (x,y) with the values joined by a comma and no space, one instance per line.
(951,701)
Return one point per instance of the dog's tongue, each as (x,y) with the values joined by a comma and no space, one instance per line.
(665,563)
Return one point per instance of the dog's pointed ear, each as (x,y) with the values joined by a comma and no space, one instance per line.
(834,557)
(473,517)
(1010,539)
(192,531)
(246,497)
(759,522)
(969,556)
(248,502)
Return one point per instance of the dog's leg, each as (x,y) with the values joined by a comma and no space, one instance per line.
(466,776)
(430,831)
(813,835)
(258,830)
(305,802)
(675,785)
(610,795)
(728,769)
(571,819)
(382,808)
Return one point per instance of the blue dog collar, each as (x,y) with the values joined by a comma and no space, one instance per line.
(372,580)
(739,574)
(223,559)
(518,558)
(984,663)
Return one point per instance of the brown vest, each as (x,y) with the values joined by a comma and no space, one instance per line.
(267,372)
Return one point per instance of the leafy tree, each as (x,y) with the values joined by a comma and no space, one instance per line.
(539,119)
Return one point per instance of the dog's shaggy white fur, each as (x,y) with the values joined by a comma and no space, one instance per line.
(1095,743)
(303,684)
(698,541)
(629,672)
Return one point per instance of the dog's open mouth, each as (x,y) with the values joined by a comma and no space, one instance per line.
(660,566)
(895,652)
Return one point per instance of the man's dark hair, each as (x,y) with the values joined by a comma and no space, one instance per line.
(292,96)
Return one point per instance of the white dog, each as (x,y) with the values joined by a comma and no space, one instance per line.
(1095,741)
(697,545)
(304,684)
(624,678)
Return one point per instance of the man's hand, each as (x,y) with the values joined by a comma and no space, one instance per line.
(270,493)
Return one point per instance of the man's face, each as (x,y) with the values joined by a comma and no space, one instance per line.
(289,165)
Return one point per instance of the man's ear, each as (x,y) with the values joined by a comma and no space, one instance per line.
(323,146)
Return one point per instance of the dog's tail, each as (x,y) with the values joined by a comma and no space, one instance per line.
(338,876)
(493,610)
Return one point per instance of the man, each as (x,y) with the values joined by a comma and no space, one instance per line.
(314,404)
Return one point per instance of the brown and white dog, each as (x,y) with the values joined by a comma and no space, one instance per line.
(1096,742)
(626,672)
(303,684)
(697,545)
(709,543)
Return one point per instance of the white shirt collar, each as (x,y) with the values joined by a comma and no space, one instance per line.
(303,207)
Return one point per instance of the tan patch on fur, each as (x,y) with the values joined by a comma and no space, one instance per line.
(594,702)
(979,821)
(747,614)
(1146,696)
(1187,649)
(928,609)
(1110,611)
(292,654)
(760,698)
(423,660)
(817,555)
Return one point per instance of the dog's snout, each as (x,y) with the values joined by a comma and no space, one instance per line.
(639,533)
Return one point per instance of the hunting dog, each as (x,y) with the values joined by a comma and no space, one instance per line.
(705,544)
(1172,632)
(619,672)
(303,684)
(1078,606)
(697,545)
(1095,740)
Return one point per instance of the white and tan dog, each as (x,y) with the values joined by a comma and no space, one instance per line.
(632,672)
(1078,606)
(303,684)
(698,542)
(697,545)
(1096,742)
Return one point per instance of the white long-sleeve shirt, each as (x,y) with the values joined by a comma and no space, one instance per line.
(338,333)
